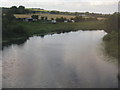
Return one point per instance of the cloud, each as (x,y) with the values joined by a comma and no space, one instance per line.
(98,3)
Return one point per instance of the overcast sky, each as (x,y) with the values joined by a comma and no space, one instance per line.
(98,6)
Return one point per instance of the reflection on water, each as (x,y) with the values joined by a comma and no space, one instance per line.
(18,42)
(66,60)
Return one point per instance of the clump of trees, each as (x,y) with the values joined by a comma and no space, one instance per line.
(62,19)
(55,12)
(79,19)
(111,39)
(76,19)
(113,23)
(9,26)
(112,26)
(35,16)
(16,10)
(46,18)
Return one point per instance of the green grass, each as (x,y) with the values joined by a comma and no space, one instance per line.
(111,44)
(43,28)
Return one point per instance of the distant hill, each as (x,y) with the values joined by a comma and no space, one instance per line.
(43,12)
(35,10)
(39,10)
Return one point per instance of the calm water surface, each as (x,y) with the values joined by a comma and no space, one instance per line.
(74,59)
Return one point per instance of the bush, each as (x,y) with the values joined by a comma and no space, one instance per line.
(62,19)
(10,28)
(111,44)
(112,23)
(35,16)
(13,31)
(78,18)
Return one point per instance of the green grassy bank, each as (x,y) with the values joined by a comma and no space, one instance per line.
(111,39)
(43,28)
(111,44)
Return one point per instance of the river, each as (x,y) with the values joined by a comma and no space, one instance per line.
(66,60)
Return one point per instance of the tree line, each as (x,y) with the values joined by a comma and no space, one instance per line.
(62,19)
(112,41)
(16,10)
(113,23)
(23,10)
(9,26)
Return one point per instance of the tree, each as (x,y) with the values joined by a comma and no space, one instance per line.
(46,18)
(71,18)
(9,27)
(14,10)
(34,16)
(78,18)
(52,18)
(62,19)
(21,9)
(9,17)
(42,18)
(76,13)
(112,22)
(54,12)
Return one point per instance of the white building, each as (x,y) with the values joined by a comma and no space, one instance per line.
(65,21)
(83,15)
(53,21)
(72,21)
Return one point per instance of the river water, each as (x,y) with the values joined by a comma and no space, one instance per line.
(66,60)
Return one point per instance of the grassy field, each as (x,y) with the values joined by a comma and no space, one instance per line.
(43,15)
(42,28)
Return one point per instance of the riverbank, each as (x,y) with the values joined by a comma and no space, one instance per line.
(43,28)
(111,44)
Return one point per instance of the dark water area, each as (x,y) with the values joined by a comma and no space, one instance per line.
(66,60)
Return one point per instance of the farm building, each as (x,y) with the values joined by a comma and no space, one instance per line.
(65,21)
(101,19)
(72,21)
(53,21)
